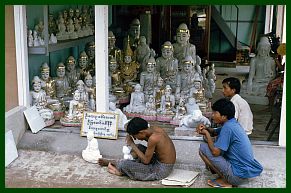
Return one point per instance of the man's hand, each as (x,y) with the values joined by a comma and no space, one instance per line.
(129,140)
(200,127)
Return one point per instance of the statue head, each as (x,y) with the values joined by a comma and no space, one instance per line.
(188,63)
(197,84)
(112,106)
(128,53)
(83,60)
(80,85)
(160,81)
(70,63)
(36,84)
(77,12)
(134,29)
(65,14)
(61,70)
(111,39)
(90,49)
(142,40)
(168,90)
(77,95)
(137,88)
(151,64)
(183,34)
(167,50)
(88,80)
(45,71)
(71,12)
(112,65)
(90,135)
(264,47)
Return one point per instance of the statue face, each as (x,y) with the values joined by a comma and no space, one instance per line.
(45,75)
(150,68)
(111,42)
(91,52)
(61,72)
(37,86)
(160,82)
(89,82)
(263,50)
(83,62)
(182,38)
(168,92)
(134,32)
(77,96)
(127,59)
(112,67)
(197,85)
(167,53)
(137,88)
(80,87)
(187,67)
(112,106)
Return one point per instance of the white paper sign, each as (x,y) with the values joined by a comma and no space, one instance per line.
(104,125)
(10,148)
(35,121)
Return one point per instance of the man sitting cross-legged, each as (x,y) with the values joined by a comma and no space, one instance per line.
(231,155)
(154,162)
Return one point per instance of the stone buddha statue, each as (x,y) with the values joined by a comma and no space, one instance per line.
(113,51)
(137,101)
(90,51)
(191,105)
(180,110)
(150,106)
(91,90)
(159,91)
(129,68)
(262,71)
(71,30)
(115,81)
(83,69)
(62,85)
(167,102)
(149,78)
(133,35)
(52,26)
(84,96)
(182,47)
(62,33)
(39,100)
(71,73)
(142,53)
(91,153)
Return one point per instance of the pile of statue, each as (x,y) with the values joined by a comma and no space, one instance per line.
(66,96)
(160,88)
(70,24)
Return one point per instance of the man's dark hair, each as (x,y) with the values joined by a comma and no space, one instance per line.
(135,125)
(233,83)
(224,107)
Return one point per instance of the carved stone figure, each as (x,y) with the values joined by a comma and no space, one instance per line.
(90,51)
(150,106)
(115,81)
(71,30)
(52,26)
(91,90)
(47,83)
(71,73)
(83,69)
(167,102)
(192,120)
(137,101)
(126,150)
(134,34)
(30,38)
(159,91)
(62,33)
(62,85)
(191,106)
(143,53)
(113,51)
(91,153)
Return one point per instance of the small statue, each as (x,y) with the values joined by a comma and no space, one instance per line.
(129,68)
(84,96)
(191,106)
(52,26)
(262,70)
(30,38)
(78,28)
(192,120)
(180,110)
(47,83)
(38,99)
(159,91)
(53,39)
(66,18)
(149,78)
(90,51)
(183,47)
(62,85)
(133,35)
(39,29)
(137,101)
(71,30)
(91,90)
(91,153)
(113,51)
(142,53)
(62,33)
(126,150)
(35,39)
(71,73)
(115,79)
(83,69)
(122,119)
(150,106)
(167,102)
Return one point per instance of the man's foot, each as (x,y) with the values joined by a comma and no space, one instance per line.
(113,170)
(105,162)
(219,183)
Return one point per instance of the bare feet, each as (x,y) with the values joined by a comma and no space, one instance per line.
(105,162)
(219,183)
(113,170)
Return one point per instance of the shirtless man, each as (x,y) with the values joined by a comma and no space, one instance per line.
(154,162)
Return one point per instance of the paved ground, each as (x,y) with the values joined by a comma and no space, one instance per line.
(53,159)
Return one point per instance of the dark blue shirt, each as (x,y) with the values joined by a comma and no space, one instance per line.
(237,149)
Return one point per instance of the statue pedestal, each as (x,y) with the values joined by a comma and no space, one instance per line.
(90,156)
(70,123)
(164,118)
(185,131)
(149,117)
(257,100)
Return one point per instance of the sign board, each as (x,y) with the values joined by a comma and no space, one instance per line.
(35,121)
(104,125)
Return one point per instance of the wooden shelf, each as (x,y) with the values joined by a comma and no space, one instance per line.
(60,45)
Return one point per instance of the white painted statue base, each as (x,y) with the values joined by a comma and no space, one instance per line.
(90,156)
(257,100)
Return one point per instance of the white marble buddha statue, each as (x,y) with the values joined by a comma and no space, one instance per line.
(262,70)
(84,96)
(62,33)
(137,101)
(167,65)
(150,106)
(191,106)
(71,29)
(62,85)
(183,47)
(115,81)
(180,109)
(192,120)
(149,78)
(39,100)
(91,90)
(30,38)
(91,153)
(35,39)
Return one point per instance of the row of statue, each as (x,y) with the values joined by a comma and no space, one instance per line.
(70,24)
